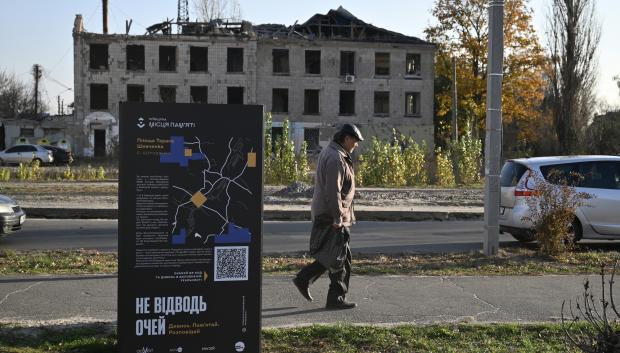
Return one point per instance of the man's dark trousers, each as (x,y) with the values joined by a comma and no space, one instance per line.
(339,281)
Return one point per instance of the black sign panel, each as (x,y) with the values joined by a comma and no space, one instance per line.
(190,227)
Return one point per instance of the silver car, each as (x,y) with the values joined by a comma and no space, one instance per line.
(26,154)
(12,217)
(598,218)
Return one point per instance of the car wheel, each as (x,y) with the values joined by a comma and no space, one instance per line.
(2,162)
(525,237)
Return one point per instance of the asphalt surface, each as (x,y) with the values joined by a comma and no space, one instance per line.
(279,237)
(382,300)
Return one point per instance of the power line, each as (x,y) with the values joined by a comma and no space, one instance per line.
(49,77)
(125,13)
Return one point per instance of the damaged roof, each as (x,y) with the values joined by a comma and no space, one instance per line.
(337,24)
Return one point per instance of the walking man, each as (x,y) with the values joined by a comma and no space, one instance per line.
(332,217)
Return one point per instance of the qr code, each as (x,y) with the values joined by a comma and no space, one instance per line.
(231,263)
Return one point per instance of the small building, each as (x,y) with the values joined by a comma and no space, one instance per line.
(59,130)
(332,69)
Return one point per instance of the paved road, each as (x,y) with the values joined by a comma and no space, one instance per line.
(382,300)
(280,237)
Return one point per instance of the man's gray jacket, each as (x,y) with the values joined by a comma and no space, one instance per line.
(334,185)
(332,203)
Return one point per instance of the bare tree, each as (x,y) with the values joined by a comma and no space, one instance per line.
(617,79)
(573,35)
(15,96)
(209,10)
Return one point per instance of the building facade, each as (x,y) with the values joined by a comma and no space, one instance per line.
(330,70)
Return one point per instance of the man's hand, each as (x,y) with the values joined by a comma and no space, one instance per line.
(337,226)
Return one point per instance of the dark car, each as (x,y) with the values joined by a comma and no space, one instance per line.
(11,216)
(61,156)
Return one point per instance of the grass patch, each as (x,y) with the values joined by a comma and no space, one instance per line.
(57,262)
(511,260)
(324,339)
(59,188)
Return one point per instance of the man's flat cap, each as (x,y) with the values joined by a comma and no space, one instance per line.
(352,130)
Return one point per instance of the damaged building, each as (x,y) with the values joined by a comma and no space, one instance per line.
(332,69)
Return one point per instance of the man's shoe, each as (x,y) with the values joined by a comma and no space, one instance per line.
(303,288)
(340,305)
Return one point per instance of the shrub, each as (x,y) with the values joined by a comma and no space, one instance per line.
(282,166)
(373,167)
(68,174)
(552,210)
(601,333)
(395,165)
(5,174)
(267,171)
(444,175)
(414,156)
(303,168)
(467,159)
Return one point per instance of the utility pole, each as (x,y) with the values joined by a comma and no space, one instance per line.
(493,138)
(36,72)
(58,105)
(455,126)
(104,9)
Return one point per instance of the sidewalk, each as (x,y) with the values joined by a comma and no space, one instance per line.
(382,300)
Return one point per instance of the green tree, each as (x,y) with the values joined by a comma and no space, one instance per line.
(462,32)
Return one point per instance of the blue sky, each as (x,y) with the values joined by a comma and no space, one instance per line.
(39,31)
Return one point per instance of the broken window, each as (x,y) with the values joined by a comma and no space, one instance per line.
(198,59)
(198,94)
(276,133)
(135,57)
(279,102)
(412,103)
(313,62)
(26,132)
(135,93)
(311,101)
(347,63)
(98,96)
(235,95)
(413,64)
(280,61)
(311,136)
(167,94)
(382,103)
(98,56)
(382,64)
(234,60)
(347,103)
(167,58)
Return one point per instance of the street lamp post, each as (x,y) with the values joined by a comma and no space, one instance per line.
(493,138)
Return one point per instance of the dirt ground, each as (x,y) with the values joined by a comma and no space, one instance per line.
(105,195)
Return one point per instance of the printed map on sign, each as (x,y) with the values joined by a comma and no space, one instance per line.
(208,202)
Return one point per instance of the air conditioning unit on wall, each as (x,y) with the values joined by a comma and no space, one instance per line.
(349,78)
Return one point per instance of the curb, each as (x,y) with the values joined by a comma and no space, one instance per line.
(268,215)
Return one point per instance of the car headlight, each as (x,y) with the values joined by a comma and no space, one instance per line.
(6,209)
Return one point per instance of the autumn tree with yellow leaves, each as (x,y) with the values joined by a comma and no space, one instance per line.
(461,32)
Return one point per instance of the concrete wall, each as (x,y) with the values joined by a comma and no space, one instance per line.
(259,81)
(330,82)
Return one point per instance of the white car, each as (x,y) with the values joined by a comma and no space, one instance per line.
(12,217)
(26,154)
(598,218)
